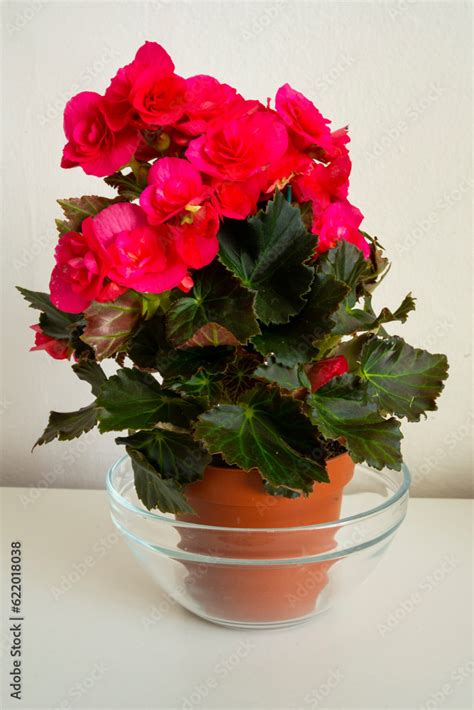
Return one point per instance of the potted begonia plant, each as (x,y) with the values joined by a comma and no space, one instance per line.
(231,283)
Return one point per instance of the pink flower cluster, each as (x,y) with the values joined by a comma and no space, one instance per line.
(213,155)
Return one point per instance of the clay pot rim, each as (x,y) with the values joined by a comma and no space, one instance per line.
(239,491)
(161,517)
(344,455)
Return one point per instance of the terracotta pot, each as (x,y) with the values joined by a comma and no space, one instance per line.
(237,499)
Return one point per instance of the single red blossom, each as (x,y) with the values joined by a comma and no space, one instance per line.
(336,147)
(323,371)
(92,143)
(206,99)
(321,185)
(117,97)
(281,172)
(236,200)
(235,149)
(341,220)
(307,126)
(196,241)
(145,260)
(140,256)
(79,276)
(58,349)
(173,183)
(184,131)
(324,183)
(158,100)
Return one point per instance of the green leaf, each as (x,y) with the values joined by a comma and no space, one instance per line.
(53,322)
(109,325)
(77,209)
(181,364)
(126,185)
(92,373)
(135,400)
(401,313)
(342,408)
(380,265)
(268,431)
(82,351)
(218,311)
(69,425)
(296,342)
(352,349)
(148,342)
(352,320)
(163,461)
(285,377)
(203,387)
(213,388)
(174,454)
(153,302)
(268,253)
(150,349)
(402,379)
(239,375)
(346,263)
(153,490)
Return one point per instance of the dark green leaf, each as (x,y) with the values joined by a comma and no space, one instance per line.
(401,313)
(285,377)
(149,349)
(69,425)
(185,363)
(268,431)
(148,342)
(352,349)
(351,320)
(126,185)
(380,265)
(218,311)
(296,341)
(53,322)
(163,461)
(268,253)
(153,490)
(174,454)
(204,387)
(109,325)
(77,209)
(132,399)
(81,350)
(342,408)
(239,375)
(91,372)
(402,379)
(345,262)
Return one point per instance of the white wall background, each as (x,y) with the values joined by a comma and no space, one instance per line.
(397,71)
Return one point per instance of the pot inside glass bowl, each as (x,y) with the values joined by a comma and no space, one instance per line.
(263,577)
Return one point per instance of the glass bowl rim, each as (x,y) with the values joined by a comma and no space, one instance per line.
(401,491)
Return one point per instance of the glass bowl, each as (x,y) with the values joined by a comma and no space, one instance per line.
(263,577)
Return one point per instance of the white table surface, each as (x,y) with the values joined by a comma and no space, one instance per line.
(112,639)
